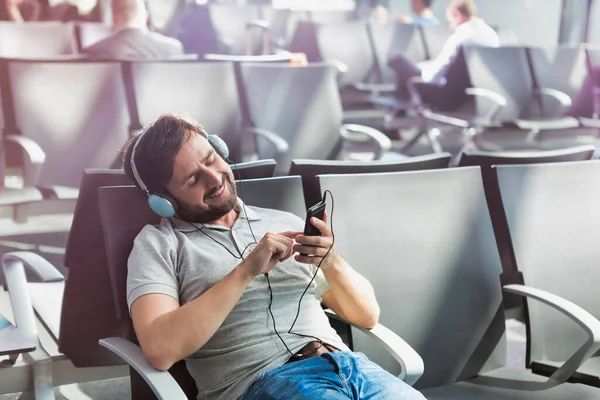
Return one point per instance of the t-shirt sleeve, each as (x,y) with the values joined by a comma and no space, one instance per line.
(151,266)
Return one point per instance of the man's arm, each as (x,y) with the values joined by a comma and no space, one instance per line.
(351,295)
(434,70)
(168,333)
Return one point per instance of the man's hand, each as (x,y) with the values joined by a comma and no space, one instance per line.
(271,249)
(316,247)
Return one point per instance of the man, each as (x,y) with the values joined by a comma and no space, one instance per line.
(131,38)
(422,14)
(200,285)
(469,30)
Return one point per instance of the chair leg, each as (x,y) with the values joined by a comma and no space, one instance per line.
(42,380)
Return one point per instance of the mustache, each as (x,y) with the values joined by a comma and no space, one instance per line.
(225,181)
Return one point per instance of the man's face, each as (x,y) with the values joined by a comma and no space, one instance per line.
(417,6)
(202,182)
(453,17)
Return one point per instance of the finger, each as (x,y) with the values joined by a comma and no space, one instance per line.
(308,259)
(290,234)
(325,217)
(321,226)
(317,241)
(311,250)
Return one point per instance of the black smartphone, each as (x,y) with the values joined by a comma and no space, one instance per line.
(318,211)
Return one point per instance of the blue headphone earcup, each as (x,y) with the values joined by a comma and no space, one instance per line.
(162,205)
(220,146)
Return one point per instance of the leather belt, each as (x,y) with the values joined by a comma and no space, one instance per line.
(311,349)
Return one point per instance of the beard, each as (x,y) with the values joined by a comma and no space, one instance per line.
(198,214)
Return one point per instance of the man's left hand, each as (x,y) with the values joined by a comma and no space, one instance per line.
(312,249)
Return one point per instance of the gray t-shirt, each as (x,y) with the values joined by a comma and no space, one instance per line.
(176,259)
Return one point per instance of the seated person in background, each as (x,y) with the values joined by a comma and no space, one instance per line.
(423,14)
(469,30)
(213,283)
(131,38)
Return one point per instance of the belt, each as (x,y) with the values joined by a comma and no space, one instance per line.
(312,349)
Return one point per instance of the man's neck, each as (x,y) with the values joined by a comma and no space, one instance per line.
(228,219)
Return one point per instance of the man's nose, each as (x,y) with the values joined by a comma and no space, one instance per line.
(213,178)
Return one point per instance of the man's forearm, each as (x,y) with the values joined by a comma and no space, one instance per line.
(353,293)
(179,333)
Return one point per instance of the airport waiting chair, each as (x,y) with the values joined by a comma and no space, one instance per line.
(561,68)
(425,242)
(486,161)
(121,227)
(75,111)
(296,113)
(551,211)
(37,39)
(89,33)
(62,304)
(206,91)
(309,169)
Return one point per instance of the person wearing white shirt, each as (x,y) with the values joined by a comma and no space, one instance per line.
(469,30)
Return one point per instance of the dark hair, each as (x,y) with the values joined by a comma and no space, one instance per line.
(155,155)
(427,3)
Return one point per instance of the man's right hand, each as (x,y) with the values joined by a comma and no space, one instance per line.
(271,249)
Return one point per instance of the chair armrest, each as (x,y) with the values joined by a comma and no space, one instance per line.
(13,269)
(410,361)
(498,100)
(563,98)
(36,263)
(590,122)
(280,144)
(258,23)
(162,383)
(445,119)
(375,87)
(383,142)
(33,157)
(583,318)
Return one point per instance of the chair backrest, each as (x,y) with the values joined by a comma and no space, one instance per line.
(87,295)
(254,169)
(89,33)
(206,91)
(36,39)
(302,105)
(76,112)
(559,67)
(125,212)
(504,70)
(435,37)
(394,39)
(229,21)
(425,242)
(486,161)
(347,42)
(552,213)
(309,169)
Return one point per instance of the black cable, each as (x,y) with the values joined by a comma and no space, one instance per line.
(273,317)
(320,262)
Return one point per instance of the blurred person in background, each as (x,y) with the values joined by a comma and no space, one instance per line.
(22,10)
(131,38)
(422,14)
(468,30)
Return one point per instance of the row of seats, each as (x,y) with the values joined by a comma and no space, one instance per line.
(435,258)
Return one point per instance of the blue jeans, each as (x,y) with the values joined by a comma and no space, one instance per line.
(339,375)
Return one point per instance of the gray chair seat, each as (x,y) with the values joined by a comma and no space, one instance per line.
(12,340)
(10,196)
(548,123)
(506,383)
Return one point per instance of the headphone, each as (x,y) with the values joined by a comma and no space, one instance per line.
(161,203)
